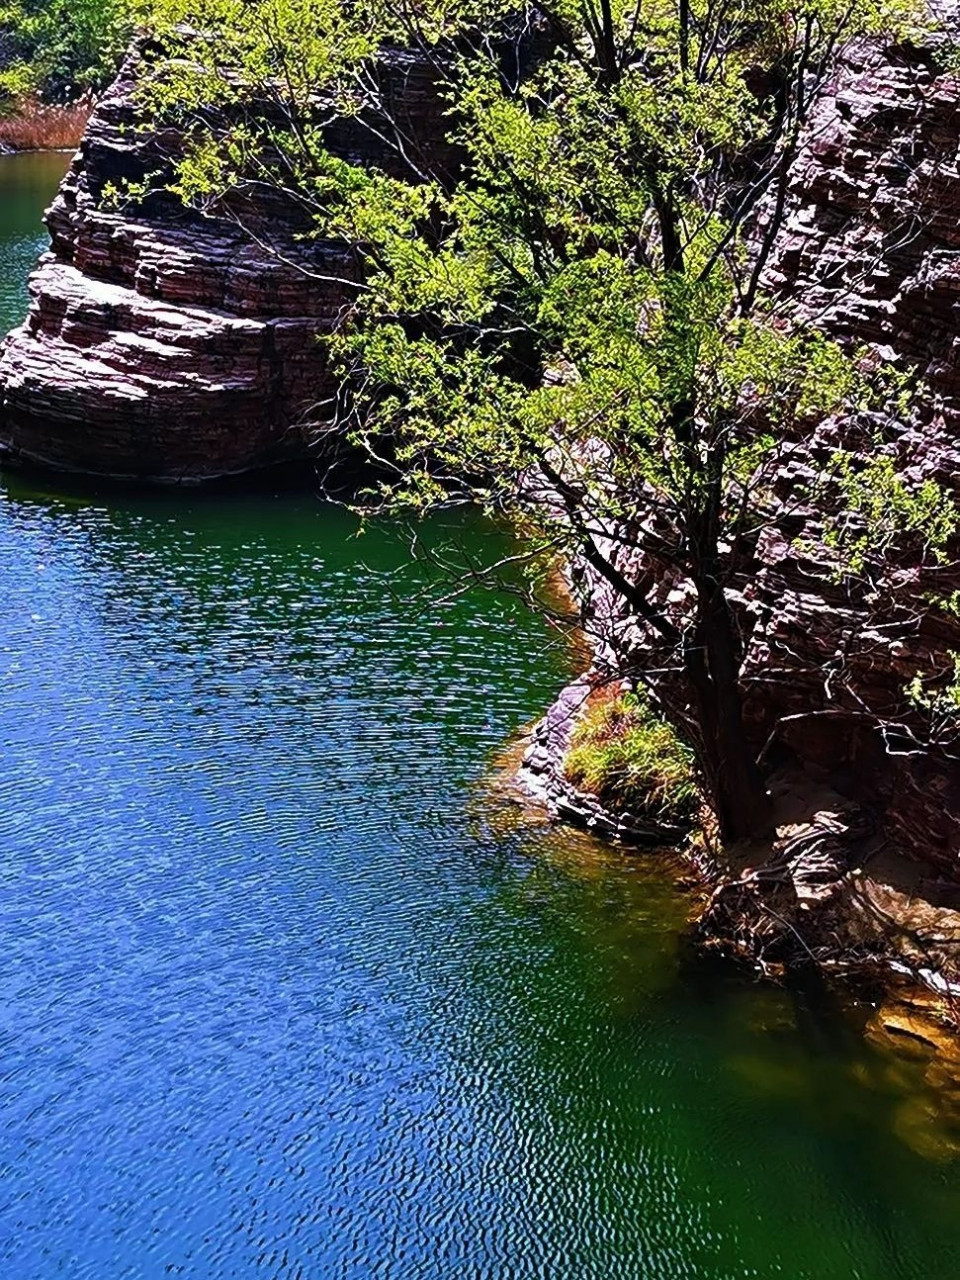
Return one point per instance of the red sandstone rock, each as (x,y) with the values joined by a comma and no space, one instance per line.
(167,346)
(871,249)
(871,242)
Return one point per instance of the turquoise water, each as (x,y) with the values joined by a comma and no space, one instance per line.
(286,993)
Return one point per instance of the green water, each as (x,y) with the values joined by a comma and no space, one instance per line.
(27,185)
(285,992)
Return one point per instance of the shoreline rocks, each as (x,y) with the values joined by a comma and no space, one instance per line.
(541,773)
(825,899)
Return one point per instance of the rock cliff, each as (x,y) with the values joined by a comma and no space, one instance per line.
(167,346)
(871,249)
(872,243)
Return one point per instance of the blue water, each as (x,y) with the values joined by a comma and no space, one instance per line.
(235,851)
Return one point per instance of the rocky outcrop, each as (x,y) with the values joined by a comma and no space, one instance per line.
(863,867)
(167,346)
(871,249)
(872,243)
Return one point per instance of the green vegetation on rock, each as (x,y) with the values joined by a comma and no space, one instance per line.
(632,760)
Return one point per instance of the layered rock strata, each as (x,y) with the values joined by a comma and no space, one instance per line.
(167,346)
(871,245)
(871,249)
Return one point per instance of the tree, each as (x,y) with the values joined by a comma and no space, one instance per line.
(568,323)
(58,47)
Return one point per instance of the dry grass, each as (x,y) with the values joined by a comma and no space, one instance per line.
(37,126)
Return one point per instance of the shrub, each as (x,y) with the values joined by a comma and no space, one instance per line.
(622,753)
(59,48)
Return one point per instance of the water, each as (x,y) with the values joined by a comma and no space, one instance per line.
(27,185)
(284,993)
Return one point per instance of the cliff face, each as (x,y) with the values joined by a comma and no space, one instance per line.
(166,346)
(872,244)
(871,248)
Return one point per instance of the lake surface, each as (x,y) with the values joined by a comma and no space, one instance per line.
(27,185)
(285,993)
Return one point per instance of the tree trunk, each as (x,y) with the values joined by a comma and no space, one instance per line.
(741,803)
